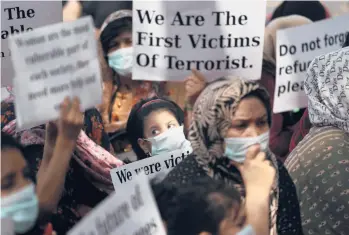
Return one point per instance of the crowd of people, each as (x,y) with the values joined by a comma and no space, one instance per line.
(248,170)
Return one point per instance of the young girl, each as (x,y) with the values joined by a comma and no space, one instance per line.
(155,126)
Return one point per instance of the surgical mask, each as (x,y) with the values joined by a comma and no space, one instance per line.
(236,148)
(247,230)
(22,208)
(121,61)
(171,140)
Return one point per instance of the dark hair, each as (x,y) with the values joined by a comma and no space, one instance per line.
(313,10)
(8,142)
(263,96)
(135,122)
(346,43)
(113,30)
(200,206)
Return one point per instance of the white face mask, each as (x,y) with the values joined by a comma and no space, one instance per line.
(171,140)
(121,61)
(247,230)
(236,148)
(22,208)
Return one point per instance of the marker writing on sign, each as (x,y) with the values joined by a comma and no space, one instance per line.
(126,175)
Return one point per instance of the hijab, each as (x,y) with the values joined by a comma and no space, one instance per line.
(313,10)
(212,115)
(269,51)
(327,88)
(114,25)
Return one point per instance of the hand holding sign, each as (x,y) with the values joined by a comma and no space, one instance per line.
(194,84)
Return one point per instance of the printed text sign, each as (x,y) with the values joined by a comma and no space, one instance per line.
(296,48)
(23,16)
(215,37)
(131,210)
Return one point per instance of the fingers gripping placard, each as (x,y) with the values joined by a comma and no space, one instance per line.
(53,62)
(217,38)
(131,210)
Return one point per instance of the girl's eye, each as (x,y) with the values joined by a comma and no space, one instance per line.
(262,123)
(155,132)
(171,126)
(240,126)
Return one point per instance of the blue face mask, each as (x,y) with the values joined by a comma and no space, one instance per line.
(170,140)
(236,148)
(22,208)
(247,230)
(121,61)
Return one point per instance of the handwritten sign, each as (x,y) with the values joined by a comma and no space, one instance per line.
(215,37)
(51,63)
(22,16)
(296,48)
(153,167)
(131,210)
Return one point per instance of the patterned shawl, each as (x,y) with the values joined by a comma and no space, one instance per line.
(212,115)
(327,88)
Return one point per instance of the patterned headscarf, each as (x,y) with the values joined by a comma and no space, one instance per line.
(327,87)
(212,115)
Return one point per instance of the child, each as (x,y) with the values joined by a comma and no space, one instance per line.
(155,126)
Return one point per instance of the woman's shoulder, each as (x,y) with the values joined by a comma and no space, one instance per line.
(185,172)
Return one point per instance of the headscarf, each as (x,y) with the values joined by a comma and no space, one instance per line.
(212,115)
(313,10)
(269,51)
(112,27)
(327,88)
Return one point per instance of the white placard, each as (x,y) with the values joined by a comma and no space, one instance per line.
(51,63)
(296,48)
(158,166)
(22,16)
(131,210)
(216,37)
(4,93)
(7,227)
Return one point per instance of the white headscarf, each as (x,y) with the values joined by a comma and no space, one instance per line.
(327,87)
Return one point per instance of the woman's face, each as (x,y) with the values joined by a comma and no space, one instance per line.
(14,171)
(250,119)
(156,123)
(124,40)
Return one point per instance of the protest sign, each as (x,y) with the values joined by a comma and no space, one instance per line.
(51,63)
(7,227)
(4,93)
(214,37)
(23,16)
(295,49)
(157,166)
(131,210)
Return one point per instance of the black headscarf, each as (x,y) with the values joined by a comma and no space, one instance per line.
(313,10)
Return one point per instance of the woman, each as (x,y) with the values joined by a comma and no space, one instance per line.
(228,117)
(281,129)
(21,202)
(155,126)
(88,172)
(301,129)
(319,164)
